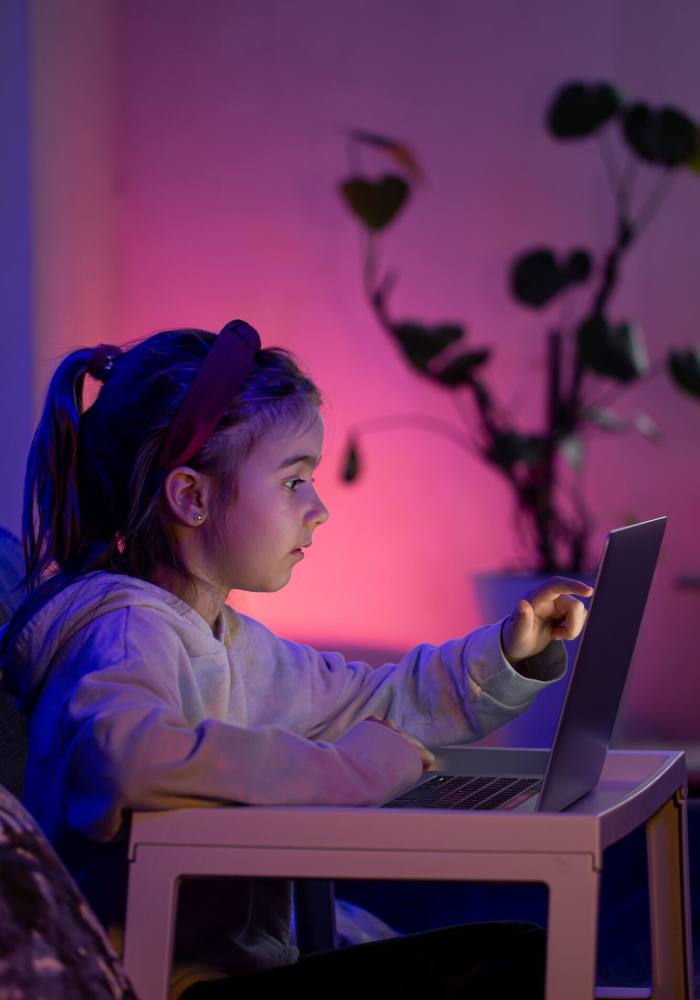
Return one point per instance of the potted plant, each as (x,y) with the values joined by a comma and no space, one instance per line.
(542,468)
(597,346)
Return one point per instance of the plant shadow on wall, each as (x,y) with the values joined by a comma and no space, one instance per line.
(543,469)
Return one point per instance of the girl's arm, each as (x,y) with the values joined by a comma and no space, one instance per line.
(456,692)
(124,722)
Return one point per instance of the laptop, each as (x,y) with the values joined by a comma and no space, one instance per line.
(466,779)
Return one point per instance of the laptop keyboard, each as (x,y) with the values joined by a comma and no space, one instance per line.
(445,791)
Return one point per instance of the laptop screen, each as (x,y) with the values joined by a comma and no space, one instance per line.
(602,663)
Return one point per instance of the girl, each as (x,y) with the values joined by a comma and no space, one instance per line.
(191,475)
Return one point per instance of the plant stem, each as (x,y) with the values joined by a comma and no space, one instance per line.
(654,201)
(613,393)
(625,190)
(612,171)
(467,419)
(369,269)
(551,437)
(624,237)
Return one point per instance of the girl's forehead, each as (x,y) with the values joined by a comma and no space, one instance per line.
(302,439)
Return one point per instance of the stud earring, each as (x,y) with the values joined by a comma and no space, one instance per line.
(198,516)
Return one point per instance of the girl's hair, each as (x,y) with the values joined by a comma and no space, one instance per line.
(93,495)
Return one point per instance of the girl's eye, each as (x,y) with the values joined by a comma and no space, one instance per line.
(292,484)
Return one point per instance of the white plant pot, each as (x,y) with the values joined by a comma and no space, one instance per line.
(497,595)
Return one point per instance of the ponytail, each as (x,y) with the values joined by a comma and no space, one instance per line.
(51,524)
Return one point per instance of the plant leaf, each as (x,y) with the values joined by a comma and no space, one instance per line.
(646,426)
(421,344)
(535,277)
(605,419)
(693,161)
(461,369)
(615,351)
(571,448)
(376,203)
(578,109)
(666,137)
(637,129)
(677,137)
(684,367)
(351,462)
(399,151)
(578,266)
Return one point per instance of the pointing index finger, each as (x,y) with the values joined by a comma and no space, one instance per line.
(562,585)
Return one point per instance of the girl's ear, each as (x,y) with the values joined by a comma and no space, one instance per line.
(187,493)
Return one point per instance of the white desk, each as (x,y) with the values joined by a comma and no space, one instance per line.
(565,851)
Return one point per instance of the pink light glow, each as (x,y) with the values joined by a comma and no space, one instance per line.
(229,145)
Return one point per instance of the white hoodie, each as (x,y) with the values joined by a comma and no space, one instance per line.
(136,703)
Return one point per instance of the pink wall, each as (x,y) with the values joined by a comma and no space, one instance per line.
(230,125)
(73,188)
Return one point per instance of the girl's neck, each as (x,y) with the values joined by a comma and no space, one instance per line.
(206,600)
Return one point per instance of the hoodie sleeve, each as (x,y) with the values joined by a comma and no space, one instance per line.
(129,742)
(455,692)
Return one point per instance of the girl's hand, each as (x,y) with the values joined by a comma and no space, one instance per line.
(547,612)
(427,758)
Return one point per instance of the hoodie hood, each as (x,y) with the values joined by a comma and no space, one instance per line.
(27,660)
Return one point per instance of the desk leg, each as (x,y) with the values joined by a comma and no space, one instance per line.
(671,944)
(572,927)
(150,924)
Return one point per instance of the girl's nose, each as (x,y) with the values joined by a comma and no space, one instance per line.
(318,513)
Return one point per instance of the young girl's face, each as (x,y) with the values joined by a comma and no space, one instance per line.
(272,520)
